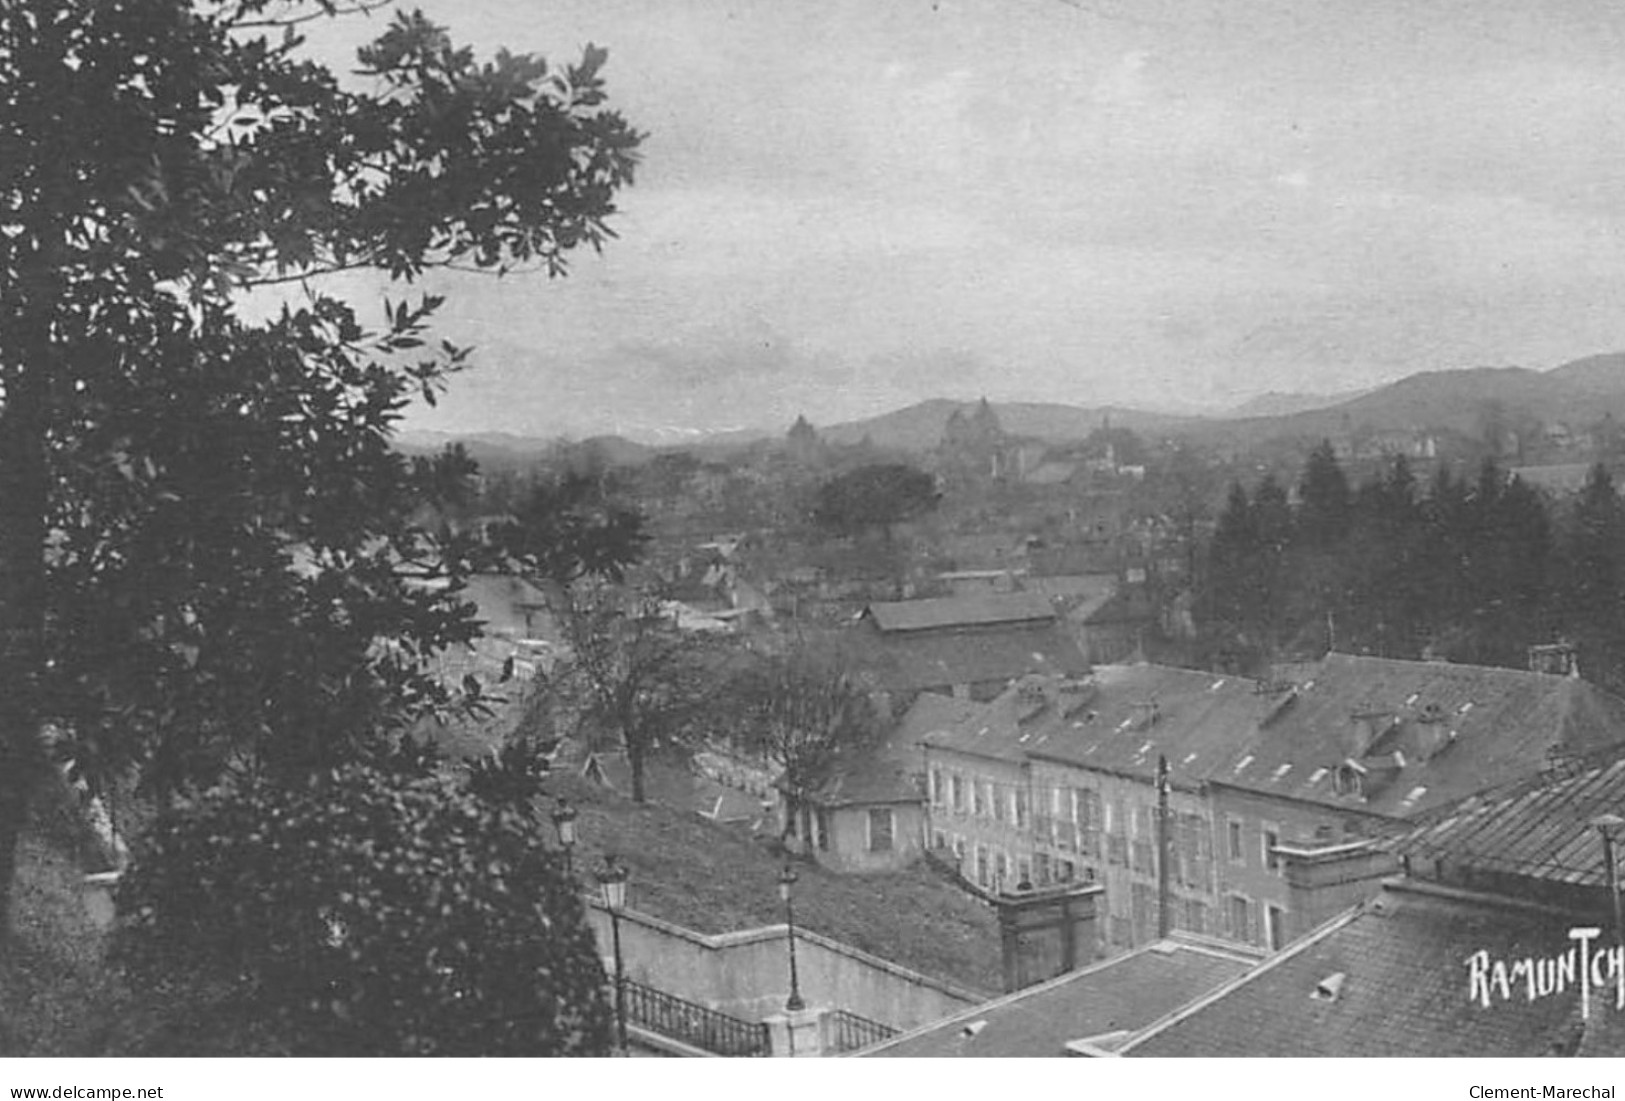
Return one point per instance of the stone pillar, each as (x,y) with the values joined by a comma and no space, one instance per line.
(1323,881)
(1047,931)
(796,1032)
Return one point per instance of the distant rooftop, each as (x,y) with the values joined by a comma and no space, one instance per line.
(978,610)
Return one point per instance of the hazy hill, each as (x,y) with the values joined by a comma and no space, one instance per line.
(1604,374)
(1279,404)
(1464,401)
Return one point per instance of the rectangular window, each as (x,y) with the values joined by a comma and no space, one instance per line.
(1024,872)
(936,785)
(979,796)
(982,870)
(880,830)
(1275,927)
(1195,916)
(1143,856)
(1117,849)
(1065,871)
(1019,804)
(1240,919)
(822,822)
(996,798)
(1041,872)
(1238,850)
(1001,870)
(939,840)
(957,784)
(1272,838)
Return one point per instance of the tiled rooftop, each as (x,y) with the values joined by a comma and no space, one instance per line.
(1391,978)
(1434,732)
(947,612)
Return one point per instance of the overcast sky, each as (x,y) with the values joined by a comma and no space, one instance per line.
(847,207)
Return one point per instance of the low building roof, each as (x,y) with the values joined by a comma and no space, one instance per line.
(1436,731)
(1392,978)
(919,661)
(1541,827)
(1123,993)
(948,612)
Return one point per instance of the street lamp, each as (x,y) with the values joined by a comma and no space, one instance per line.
(564,820)
(787,880)
(1606,825)
(612,883)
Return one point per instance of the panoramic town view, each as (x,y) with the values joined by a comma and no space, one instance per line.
(976,528)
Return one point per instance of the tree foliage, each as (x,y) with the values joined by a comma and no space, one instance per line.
(874,498)
(570,526)
(207,558)
(1474,570)
(382,909)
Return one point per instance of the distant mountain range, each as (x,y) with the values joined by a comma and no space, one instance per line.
(1461,400)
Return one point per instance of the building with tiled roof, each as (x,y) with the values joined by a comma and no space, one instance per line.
(869,813)
(966,645)
(1355,746)
(1395,976)
(1106,1000)
(1056,780)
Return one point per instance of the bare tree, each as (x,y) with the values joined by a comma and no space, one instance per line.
(805,712)
(633,673)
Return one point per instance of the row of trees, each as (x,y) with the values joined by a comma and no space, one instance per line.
(1475,570)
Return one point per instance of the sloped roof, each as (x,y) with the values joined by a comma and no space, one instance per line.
(884,772)
(915,661)
(947,612)
(1137,712)
(1129,604)
(987,729)
(1125,992)
(1496,725)
(1403,992)
(1539,827)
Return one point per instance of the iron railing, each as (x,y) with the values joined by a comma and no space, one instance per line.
(693,1024)
(849,1032)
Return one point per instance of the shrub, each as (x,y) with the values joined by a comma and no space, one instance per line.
(383,910)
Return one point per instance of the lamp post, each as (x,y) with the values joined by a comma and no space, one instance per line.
(612,883)
(787,880)
(1606,825)
(564,820)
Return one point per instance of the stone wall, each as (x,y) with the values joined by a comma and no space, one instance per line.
(747,973)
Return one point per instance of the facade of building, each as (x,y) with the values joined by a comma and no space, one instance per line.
(1058,779)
